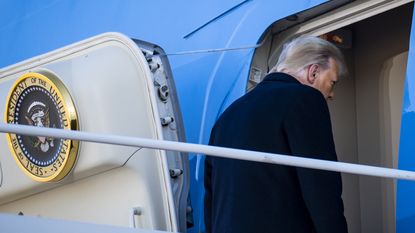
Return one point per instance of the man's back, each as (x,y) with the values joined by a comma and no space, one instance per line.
(244,196)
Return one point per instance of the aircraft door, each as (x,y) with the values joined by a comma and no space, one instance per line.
(109,84)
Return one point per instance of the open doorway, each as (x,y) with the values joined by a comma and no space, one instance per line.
(366,112)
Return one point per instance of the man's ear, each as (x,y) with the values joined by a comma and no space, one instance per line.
(312,73)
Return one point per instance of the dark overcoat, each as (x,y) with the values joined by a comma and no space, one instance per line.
(282,116)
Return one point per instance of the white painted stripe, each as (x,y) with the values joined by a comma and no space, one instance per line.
(211,150)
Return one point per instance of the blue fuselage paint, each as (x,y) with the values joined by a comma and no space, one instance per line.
(405,204)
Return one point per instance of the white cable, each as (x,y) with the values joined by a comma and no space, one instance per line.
(210,50)
(210,150)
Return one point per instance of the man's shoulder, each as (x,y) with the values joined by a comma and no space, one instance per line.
(305,91)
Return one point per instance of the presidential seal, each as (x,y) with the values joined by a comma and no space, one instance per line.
(41,100)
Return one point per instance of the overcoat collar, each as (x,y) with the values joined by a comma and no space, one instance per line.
(281,77)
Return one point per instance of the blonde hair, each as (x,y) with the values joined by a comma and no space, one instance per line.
(303,51)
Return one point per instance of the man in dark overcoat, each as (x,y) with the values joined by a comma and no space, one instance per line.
(287,114)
